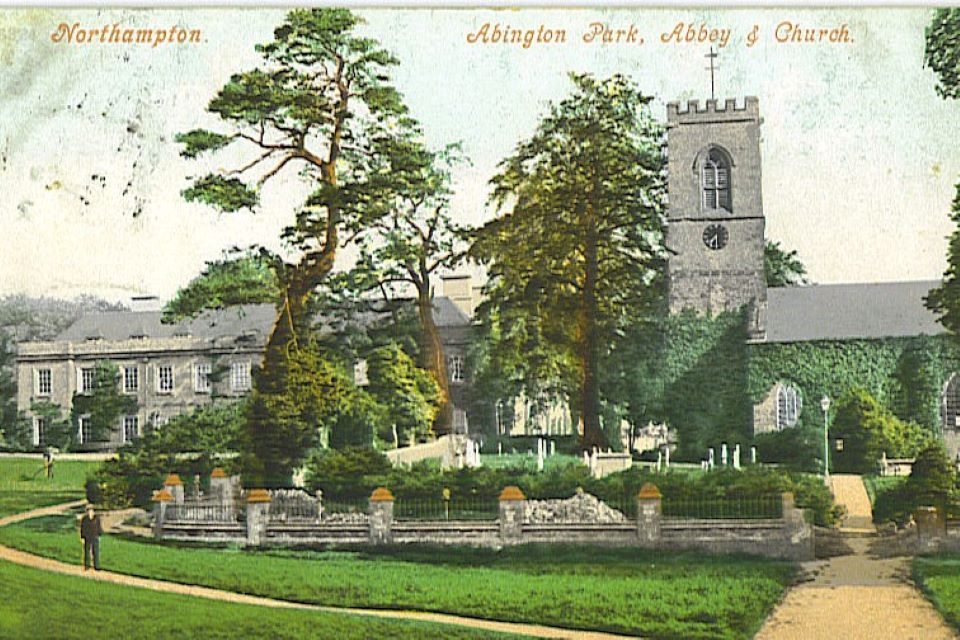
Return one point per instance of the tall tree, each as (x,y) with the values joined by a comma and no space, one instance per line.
(240,277)
(402,252)
(782,268)
(103,403)
(943,56)
(320,105)
(579,241)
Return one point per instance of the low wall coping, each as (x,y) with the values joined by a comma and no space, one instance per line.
(649,491)
(510,493)
(258,495)
(381,494)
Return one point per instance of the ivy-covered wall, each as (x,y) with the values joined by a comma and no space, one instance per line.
(907,375)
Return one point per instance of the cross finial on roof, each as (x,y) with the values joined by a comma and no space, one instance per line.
(712,56)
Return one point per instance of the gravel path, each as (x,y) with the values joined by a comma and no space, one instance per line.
(856,597)
(46,564)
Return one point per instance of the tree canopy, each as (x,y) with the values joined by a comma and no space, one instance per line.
(578,245)
(782,268)
(320,109)
(246,277)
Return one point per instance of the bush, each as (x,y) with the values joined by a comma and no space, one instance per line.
(931,483)
(92,490)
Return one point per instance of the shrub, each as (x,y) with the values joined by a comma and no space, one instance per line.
(930,483)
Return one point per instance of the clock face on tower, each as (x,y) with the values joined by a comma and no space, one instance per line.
(715,237)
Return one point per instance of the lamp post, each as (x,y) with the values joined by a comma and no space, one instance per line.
(825,405)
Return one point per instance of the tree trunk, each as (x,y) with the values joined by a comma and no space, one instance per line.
(433,359)
(589,345)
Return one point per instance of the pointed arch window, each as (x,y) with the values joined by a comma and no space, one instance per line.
(950,403)
(715,180)
(789,404)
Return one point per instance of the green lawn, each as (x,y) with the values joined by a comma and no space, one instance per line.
(38,604)
(939,578)
(23,485)
(621,590)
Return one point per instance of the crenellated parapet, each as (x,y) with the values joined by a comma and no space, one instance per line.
(695,112)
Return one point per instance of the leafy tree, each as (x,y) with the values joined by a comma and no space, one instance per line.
(410,395)
(247,277)
(321,104)
(350,472)
(59,431)
(104,402)
(942,55)
(782,268)
(942,52)
(403,250)
(579,242)
(10,434)
(869,430)
(933,477)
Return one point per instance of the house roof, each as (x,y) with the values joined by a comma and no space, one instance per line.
(256,319)
(848,311)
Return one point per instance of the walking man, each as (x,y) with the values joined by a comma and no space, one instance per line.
(90,532)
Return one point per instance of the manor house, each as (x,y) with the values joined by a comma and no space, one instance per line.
(172,368)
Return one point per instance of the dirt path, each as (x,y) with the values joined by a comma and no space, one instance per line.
(46,564)
(848,491)
(856,597)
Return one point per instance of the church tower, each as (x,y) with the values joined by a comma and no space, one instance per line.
(715,218)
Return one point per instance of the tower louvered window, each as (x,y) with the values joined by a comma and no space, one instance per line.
(715,181)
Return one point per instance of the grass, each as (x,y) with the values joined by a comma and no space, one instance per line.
(23,485)
(38,604)
(877,485)
(939,578)
(620,590)
(528,461)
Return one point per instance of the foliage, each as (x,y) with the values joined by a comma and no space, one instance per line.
(59,432)
(942,53)
(670,595)
(403,251)
(134,614)
(103,403)
(868,430)
(189,444)
(945,299)
(321,103)
(782,268)
(350,472)
(931,483)
(409,395)
(246,277)
(577,249)
(792,448)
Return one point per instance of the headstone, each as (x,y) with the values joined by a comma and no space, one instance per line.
(499,449)
(710,460)
(658,460)
(723,454)
(736,456)
(753,455)
(666,454)
(553,448)
(541,447)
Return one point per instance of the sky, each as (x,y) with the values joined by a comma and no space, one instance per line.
(860,156)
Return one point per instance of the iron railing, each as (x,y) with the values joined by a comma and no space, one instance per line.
(187,512)
(756,507)
(463,508)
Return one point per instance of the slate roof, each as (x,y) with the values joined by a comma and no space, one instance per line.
(846,311)
(257,319)
(122,325)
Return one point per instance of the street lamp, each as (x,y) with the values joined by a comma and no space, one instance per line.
(825,405)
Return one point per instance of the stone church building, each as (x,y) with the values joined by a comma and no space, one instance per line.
(801,342)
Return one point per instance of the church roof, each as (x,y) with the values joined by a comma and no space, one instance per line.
(849,311)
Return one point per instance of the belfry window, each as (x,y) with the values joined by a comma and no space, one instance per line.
(715,181)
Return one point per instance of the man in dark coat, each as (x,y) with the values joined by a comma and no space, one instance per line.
(90,532)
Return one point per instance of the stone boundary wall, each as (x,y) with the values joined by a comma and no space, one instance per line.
(789,537)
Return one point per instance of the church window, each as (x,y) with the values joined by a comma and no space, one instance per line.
(715,180)
(788,406)
(951,404)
